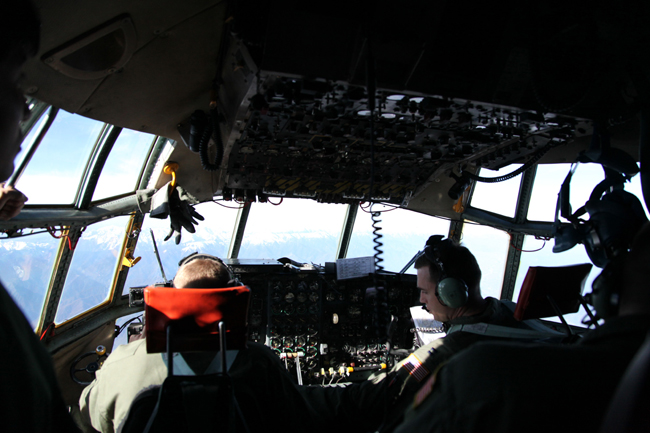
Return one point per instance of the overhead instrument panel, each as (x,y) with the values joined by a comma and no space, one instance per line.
(313,139)
(322,327)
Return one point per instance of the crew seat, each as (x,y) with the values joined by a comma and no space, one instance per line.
(200,332)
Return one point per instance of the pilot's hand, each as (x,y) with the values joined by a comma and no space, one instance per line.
(182,213)
(11,202)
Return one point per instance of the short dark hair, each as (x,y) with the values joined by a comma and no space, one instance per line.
(19,29)
(202,273)
(458,262)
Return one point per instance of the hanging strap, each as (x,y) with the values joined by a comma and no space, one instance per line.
(182,368)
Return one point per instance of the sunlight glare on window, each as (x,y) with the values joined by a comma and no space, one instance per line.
(548,182)
(301,229)
(490,247)
(498,197)
(404,233)
(124,164)
(53,174)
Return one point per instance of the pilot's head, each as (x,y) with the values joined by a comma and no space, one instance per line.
(19,33)
(448,277)
(202,271)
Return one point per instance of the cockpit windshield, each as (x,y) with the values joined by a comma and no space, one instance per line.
(300,229)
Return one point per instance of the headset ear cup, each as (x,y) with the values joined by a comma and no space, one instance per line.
(452,292)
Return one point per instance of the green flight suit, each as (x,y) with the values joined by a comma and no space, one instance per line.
(262,386)
(509,387)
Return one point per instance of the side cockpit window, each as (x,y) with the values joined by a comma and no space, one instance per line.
(53,174)
(497,197)
(26,266)
(91,275)
(122,170)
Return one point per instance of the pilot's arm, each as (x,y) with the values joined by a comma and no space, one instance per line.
(11,201)
(84,419)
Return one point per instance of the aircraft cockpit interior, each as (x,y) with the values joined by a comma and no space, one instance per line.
(315,148)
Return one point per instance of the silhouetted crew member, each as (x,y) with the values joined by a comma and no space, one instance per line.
(30,398)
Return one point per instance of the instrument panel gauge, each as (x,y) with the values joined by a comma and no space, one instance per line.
(256,320)
(354,312)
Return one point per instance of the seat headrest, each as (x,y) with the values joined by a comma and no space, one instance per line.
(194,315)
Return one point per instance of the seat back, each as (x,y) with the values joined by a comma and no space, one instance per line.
(195,315)
(191,320)
(551,291)
(185,404)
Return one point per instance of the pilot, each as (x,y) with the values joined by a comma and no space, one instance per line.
(448,277)
(263,387)
(507,387)
(30,398)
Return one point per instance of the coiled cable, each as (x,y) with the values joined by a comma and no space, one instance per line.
(211,130)
(381,315)
(376,239)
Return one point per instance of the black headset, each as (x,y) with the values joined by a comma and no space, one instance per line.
(451,292)
(615,215)
(233,281)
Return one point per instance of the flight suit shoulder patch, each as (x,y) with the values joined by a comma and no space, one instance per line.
(415,368)
(425,390)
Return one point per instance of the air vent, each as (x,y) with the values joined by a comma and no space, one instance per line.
(96,53)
